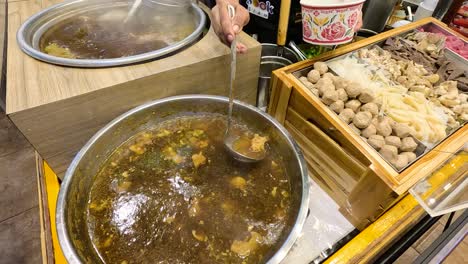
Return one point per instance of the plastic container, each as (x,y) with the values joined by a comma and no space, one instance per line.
(445,190)
(425,9)
(330,22)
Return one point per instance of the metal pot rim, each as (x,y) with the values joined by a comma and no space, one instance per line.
(64,239)
(28,48)
(272,45)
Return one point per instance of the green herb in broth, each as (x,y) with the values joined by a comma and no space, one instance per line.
(173,195)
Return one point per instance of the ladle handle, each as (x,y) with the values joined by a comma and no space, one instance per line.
(133,10)
(232,14)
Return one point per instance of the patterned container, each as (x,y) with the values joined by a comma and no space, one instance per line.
(330,22)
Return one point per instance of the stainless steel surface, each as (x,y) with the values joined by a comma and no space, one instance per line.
(232,77)
(442,9)
(376,14)
(270,62)
(297,50)
(367,33)
(228,143)
(269,49)
(30,32)
(73,197)
(280,51)
(132,11)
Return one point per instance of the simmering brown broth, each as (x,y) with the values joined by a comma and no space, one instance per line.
(172,194)
(104,35)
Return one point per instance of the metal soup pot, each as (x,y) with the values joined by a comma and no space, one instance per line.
(73,198)
(169,15)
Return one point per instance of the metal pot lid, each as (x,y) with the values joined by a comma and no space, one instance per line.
(98,33)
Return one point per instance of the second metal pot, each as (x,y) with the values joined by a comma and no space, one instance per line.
(71,217)
(270,61)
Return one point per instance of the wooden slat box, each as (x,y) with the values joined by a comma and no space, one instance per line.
(362,183)
(59,108)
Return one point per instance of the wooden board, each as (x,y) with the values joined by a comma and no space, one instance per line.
(360,193)
(59,108)
(296,95)
(3,17)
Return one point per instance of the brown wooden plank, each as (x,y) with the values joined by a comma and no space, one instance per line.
(299,104)
(320,168)
(343,159)
(370,198)
(46,233)
(3,17)
(282,94)
(274,91)
(332,170)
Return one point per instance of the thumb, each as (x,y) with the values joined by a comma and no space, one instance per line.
(226,22)
(240,20)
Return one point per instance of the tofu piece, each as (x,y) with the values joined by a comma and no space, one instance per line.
(258,143)
(238,183)
(198,160)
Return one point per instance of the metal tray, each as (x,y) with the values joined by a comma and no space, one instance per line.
(31,31)
(445,190)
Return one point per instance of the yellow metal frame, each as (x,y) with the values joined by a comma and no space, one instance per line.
(53,186)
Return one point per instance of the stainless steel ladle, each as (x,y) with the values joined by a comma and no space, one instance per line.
(229,138)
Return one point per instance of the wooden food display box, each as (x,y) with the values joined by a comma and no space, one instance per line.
(353,173)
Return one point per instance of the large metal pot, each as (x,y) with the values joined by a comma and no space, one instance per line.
(74,192)
(169,12)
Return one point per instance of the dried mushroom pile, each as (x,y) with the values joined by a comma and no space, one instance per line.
(355,106)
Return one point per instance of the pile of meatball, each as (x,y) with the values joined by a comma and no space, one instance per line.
(356,107)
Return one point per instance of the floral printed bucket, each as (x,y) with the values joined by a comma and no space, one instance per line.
(329,22)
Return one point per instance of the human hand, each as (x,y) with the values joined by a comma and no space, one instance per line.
(226,27)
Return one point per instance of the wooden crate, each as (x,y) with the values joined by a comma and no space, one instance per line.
(362,183)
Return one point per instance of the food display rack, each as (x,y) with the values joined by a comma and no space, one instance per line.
(350,170)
